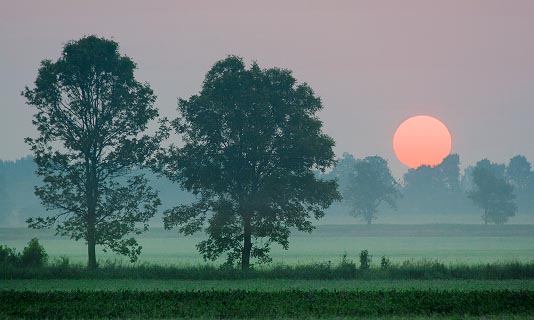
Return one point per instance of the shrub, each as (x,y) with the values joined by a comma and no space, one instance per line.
(365,260)
(34,255)
(347,267)
(384,262)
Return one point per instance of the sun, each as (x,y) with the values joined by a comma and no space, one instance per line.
(422,140)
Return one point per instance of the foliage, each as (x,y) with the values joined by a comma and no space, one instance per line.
(435,189)
(8,256)
(252,140)
(385,262)
(493,194)
(369,184)
(518,172)
(344,269)
(34,255)
(91,113)
(365,260)
(271,305)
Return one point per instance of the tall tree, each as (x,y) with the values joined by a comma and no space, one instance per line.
(493,194)
(252,143)
(91,114)
(370,183)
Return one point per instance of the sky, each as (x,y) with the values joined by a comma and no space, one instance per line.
(469,63)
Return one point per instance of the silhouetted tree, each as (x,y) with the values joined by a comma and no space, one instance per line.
(91,112)
(518,172)
(498,169)
(434,189)
(252,140)
(493,194)
(370,184)
(449,173)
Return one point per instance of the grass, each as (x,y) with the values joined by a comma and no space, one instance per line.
(262,285)
(464,244)
(257,304)
(437,271)
(345,269)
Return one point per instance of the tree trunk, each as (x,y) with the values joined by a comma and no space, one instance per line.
(91,234)
(247,242)
(92,201)
(91,251)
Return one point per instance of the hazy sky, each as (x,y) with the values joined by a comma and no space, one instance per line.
(374,63)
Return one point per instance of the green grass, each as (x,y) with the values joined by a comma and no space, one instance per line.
(471,244)
(262,285)
(258,304)
(409,270)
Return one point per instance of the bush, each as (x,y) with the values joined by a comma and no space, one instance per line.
(34,255)
(365,260)
(384,262)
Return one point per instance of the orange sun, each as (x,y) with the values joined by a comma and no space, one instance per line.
(422,140)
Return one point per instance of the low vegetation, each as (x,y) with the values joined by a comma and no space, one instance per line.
(254,304)
(33,256)
(345,269)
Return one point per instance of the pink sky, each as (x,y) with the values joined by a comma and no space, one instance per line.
(374,63)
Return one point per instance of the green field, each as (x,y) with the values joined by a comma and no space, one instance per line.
(472,244)
(263,285)
(154,290)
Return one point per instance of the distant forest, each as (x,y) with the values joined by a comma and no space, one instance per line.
(424,191)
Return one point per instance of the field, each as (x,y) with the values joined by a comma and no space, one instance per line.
(471,244)
(455,271)
(262,285)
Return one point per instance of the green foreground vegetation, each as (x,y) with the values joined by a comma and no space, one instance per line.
(256,304)
(449,243)
(263,285)
(434,271)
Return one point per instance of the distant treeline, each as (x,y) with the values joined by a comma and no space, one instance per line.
(426,190)
(18,201)
(444,189)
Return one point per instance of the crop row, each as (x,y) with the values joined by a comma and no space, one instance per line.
(254,304)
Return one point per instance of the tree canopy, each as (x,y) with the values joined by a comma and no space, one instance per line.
(91,114)
(252,141)
(370,184)
(492,193)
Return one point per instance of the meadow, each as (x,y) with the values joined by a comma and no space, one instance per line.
(448,243)
(443,271)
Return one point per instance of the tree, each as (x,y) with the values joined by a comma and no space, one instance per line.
(434,189)
(493,194)
(91,113)
(518,172)
(370,184)
(252,141)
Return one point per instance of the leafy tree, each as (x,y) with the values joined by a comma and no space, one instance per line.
(448,172)
(498,169)
(493,194)
(370,184)
(252,143)
(34,255)
(91,112)
(518,172)
(435,189)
